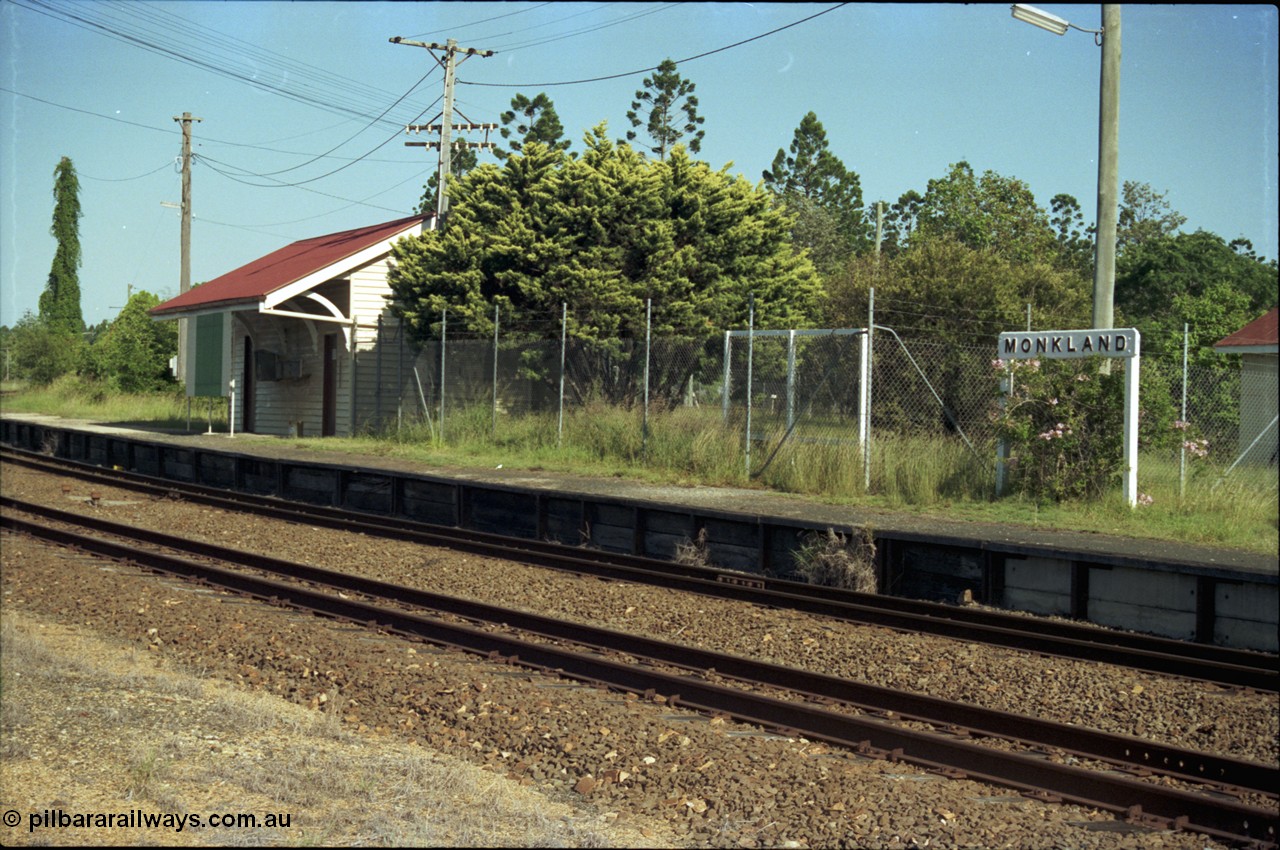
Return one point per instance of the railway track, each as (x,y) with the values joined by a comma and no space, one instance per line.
(1219,813)
(1221,665)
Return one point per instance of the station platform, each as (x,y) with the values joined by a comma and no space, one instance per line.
(1152,584)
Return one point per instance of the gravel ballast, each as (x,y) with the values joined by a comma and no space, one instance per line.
(714,783)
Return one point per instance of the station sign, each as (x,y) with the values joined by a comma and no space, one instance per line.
(1053,345)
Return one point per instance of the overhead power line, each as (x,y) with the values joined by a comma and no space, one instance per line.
(484,20)
(123,179)
(537,42)
(206,161)
(164,130)
(312,87)
(280,184)
(655,67)
(397,102)
(207,140)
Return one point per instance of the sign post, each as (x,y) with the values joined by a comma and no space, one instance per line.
(1104,342)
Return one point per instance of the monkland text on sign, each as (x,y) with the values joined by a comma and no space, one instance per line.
(1107,342)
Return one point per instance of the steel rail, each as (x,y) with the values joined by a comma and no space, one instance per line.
(1229,774)
(1137,801)
(1222,665)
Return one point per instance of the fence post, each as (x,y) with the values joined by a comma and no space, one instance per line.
(866,446)
(648,330)
(495,371)
(1182,451)
(751,331)
(444,336)
(864,373)
(399,374)
(1002,447)
(791,378)
(564,332)
(377,375)
(724,391)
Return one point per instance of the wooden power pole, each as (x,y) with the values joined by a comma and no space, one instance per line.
(185,279)
(446,126)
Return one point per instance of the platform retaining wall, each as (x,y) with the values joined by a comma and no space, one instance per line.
(1205,604)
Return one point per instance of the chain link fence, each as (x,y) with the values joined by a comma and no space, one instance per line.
(849,411)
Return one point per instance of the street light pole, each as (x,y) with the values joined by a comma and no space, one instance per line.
(1104,271)
(1104,252)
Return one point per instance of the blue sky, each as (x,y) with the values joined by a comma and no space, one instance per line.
(903,91)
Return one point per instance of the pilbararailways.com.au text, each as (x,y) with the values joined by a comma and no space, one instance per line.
(138,819)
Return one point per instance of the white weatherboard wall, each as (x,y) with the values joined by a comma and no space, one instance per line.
(1258,406)
(370,298)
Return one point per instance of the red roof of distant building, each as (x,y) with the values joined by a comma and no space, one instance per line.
(254,281)
(1261,331)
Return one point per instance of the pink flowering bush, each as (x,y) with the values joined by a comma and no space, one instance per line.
(1197,448)
(1062,422)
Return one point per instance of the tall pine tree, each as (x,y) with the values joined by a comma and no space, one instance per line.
(658,106)
(825,196)
(534,121)
(60,301)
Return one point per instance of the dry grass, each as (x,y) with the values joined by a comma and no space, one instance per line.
(834,560)
(156,738)
(694,553)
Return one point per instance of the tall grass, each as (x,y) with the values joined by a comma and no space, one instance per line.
(74,397)
(691,446)
(1209,505)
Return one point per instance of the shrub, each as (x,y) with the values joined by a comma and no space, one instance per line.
(1062,422)
(42,353)
(132,355)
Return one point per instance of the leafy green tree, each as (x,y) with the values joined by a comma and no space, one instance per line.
(825,196)
(1144,215)
(60,300)
(942,296)
(6,352)
(132,354)
(534,121)
(944,290)
(820,231)
(993,211)
(1194,278)
(1166,280)
(1244,247)
(658,107)
(41,353)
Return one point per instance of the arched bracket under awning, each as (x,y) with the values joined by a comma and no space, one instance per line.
(335,316)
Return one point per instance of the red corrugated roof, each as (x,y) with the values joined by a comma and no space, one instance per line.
(1261,331)
(254,281)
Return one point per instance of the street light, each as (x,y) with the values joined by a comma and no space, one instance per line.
(1040,18)
(1108,38)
